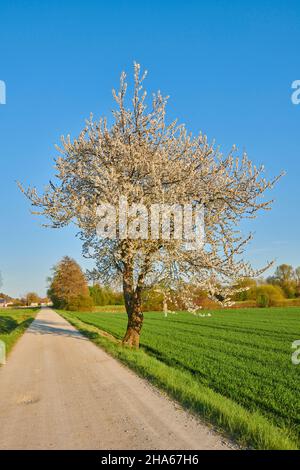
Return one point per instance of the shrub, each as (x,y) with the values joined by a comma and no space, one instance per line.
(289,288)
(274,293)
(80,303)
(152,300)
(246,283)
(103,295)
(263,300)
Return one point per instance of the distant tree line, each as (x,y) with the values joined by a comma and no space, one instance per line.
(105,295)
(24,301)
(284,284)
(69,290)
(29,299)
(282,288)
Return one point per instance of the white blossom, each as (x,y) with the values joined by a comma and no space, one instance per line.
(151,161)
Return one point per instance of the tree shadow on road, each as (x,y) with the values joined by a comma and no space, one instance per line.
(43,327)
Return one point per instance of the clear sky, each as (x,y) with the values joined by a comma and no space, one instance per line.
(227,65)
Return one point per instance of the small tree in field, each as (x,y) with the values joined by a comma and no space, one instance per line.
(68,288)
(32,298)
(297,277)
(147,160)
(285,277)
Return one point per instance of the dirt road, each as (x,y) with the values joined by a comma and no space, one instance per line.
(60,391)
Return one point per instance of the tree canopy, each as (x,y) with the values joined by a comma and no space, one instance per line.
(68,286)
(149,160)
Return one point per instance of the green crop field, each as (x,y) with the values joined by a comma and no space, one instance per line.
(13,322)
(234,368)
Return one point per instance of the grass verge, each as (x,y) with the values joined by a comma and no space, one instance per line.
(13,323)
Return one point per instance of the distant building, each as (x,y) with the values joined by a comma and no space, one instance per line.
(3,303)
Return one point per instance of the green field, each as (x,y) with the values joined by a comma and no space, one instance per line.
(234,368)
(13,323)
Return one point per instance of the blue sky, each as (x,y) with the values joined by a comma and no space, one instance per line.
(227,65)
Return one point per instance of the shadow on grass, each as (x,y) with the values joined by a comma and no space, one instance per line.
(7,325)
(13,331)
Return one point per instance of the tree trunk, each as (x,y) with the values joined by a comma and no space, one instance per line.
(134,326)
(133,304)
